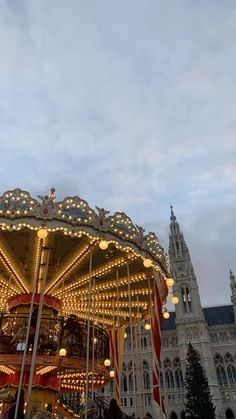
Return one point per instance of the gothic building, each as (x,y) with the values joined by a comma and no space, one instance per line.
(211,330)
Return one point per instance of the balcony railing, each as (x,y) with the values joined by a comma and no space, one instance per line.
(55,333)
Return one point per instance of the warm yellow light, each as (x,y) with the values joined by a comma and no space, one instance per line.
(107,362)
(95,340)
(166,315)
(112,373)
(147,326)
(175,300)
(62,352)
(103,244)
(125,335)
(170,282)
(42,233)
(147,263)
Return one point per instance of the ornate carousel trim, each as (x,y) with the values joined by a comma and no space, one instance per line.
(75,217)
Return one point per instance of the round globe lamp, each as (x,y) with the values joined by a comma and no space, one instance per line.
(42,233)
(112,373)
(62,352)
(166,315)
(175,300)
(103,244)
(107,362)
(147,263)
(170,282)
(147,326)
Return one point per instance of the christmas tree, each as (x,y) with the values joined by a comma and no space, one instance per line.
(198,398)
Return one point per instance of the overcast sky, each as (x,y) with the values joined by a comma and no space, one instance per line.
(131,105)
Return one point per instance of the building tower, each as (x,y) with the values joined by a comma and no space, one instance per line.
(190,320)
(233,291)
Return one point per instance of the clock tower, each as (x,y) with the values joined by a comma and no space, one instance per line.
(190,322)
(185,288)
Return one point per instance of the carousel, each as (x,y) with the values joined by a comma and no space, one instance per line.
(72,279)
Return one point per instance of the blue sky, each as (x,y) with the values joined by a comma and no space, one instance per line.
(132,106)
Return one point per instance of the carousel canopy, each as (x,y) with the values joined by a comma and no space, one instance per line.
(85,246)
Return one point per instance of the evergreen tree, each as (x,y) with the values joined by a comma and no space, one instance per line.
(198,398)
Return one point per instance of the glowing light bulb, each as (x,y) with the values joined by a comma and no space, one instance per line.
(112,373)
(42,233)
(103,244)
(170,282)
(166,315)
(147,263)
(175,300)
(147,326)
(107,362)
(62,352)
(125,335)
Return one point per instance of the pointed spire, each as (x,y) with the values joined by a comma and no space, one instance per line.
(172,214)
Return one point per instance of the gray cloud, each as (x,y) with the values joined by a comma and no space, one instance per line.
(132,106)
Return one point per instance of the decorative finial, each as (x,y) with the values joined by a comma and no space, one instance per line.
(52,195)
(50,199)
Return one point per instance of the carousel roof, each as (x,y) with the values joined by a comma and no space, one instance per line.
(75,231)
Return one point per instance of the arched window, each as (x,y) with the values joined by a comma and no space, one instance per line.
(231,374)
(146,377)
(131,387)
(229,414)
(186,299)
(144,342)
(172,383)
(169,379)
(189,299)
(131,382)
(179,382)
(173,416)
(221,375)
(146,380)
(179,379)
(124,382)
(161,381)
(225,369)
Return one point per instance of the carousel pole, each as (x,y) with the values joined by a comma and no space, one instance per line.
(132,340)
(138,336)
(35,347)
(88,335)
(137,369)
(93,340)
(9,286)
(117,364)
(27,334)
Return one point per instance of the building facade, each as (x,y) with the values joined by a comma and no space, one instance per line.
(212,332)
